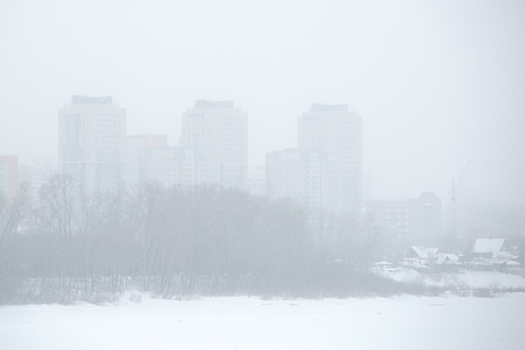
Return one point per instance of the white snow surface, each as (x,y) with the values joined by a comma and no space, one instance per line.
(465,279)
(251,323)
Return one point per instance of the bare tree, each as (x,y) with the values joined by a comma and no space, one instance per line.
(13,212)
(57,199)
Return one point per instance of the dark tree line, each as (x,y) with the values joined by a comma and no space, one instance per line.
(173,242)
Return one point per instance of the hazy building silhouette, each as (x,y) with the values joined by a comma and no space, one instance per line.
(219,133)
(9,176)
(257,181)
(92,136)
(174,166)
(325,171)
(34,171)
(136,153)
(335,134)
(416,220)
(285,174)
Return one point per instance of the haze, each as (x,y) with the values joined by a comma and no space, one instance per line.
(437,83)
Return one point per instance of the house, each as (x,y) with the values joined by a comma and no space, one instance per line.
(493,252)
(491,248)
(420,256)
(448,259)
(422,253)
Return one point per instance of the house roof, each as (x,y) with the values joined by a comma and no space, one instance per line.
(447,259)
(424,252)
(488,245)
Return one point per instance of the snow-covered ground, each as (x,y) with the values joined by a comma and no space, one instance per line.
(463,279)
(251,323)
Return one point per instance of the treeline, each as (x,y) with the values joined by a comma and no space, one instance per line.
(174,242)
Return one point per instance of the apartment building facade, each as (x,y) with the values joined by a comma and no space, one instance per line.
(92,137)
(324,172)
(217,132)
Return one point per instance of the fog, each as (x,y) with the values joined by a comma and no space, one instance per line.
(437,84)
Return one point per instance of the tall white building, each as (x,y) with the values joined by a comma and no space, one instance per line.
(219,133)
(335,134)
(136,152)
(174,166)
(285,174)
(325,171)
(92,136)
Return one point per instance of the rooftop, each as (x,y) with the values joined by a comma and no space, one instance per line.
(213,104)
(319,107)
(85,100)
(488,245)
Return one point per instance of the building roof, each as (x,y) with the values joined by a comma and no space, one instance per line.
(321,107)
(447,259)
(213,104)
(423,252)
(83,100)
(488,246)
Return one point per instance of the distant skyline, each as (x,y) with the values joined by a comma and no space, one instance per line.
(437,83)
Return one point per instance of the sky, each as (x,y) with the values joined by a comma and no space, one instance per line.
(438,84)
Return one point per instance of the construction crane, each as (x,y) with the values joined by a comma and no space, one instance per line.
(453,193)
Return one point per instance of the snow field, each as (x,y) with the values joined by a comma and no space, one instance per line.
(252,323)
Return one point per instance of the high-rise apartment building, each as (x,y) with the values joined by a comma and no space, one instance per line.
(8,176)
(285,174)
(92,136)
(335,135)
(218,132)
(325,171)
(174,166)
(137,149)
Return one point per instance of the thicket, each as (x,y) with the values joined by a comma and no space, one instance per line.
(175,242)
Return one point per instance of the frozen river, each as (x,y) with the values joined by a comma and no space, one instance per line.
(251,323)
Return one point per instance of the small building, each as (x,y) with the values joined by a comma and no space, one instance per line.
(492,253)
(491,248)
(448,259)
(423,253)
(419,256)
